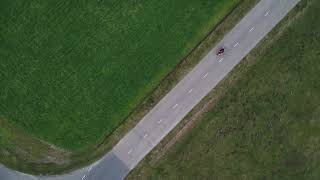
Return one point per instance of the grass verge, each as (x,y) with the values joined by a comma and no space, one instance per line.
(260,123)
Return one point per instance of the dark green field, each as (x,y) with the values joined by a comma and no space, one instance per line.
(267,126)
(71,71)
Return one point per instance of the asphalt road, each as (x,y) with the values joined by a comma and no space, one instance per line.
(135,145)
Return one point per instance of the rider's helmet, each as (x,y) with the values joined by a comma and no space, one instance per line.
(221,51)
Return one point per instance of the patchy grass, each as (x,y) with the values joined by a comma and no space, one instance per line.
(267,124)
(20,150)
(72,71)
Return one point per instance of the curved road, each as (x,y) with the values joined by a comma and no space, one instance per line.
(137,143)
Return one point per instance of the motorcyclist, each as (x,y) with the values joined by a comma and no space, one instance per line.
(221,51)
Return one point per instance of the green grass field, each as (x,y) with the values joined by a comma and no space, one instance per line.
(71,71)
(267,126)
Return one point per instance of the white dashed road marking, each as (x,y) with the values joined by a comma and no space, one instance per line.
(221,60)
(145,135)
(130,151)
(266,14)
(204,76)
(159,121)
(175,106)
(251,29)
(83,177)
(236,45)
(190,91)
